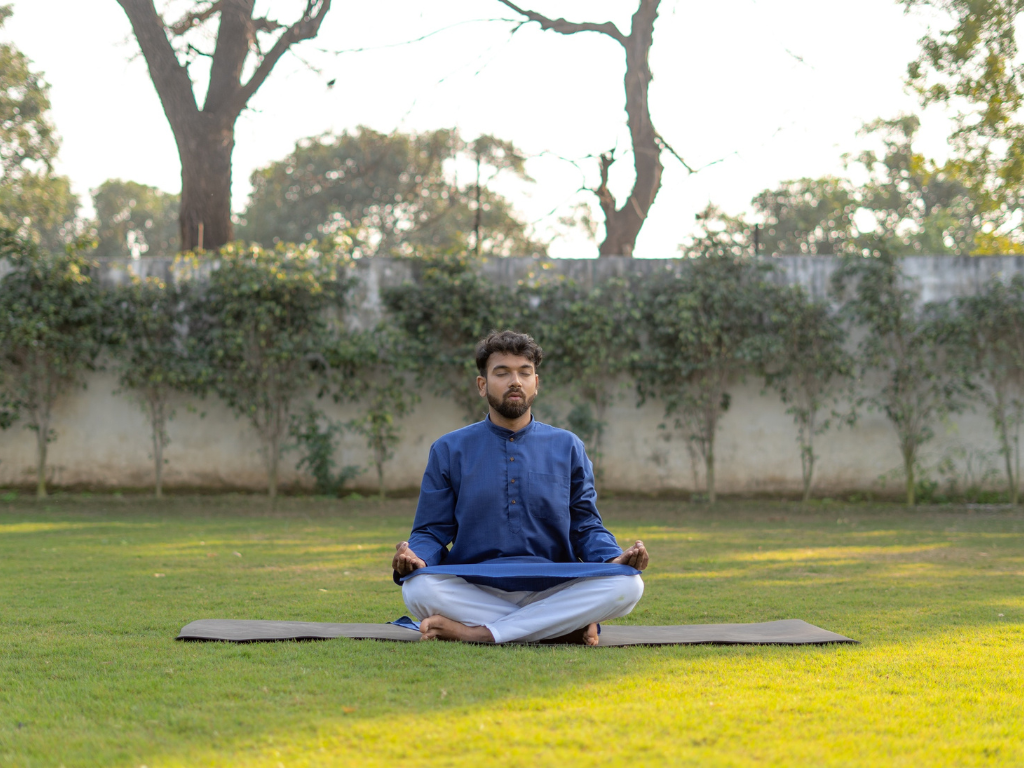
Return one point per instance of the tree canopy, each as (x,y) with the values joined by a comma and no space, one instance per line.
(392,193)
(34,201)
(972,66)
(134,220)
(906,202)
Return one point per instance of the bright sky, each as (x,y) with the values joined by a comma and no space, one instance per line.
(766,90)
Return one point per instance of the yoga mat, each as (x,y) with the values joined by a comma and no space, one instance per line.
(785,632)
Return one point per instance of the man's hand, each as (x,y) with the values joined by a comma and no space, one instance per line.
(405,560)
(636,556)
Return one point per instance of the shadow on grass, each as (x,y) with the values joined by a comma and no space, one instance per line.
(88,660)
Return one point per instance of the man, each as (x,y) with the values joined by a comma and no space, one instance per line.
(515,499)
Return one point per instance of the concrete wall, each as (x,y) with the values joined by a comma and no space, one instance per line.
(104,442)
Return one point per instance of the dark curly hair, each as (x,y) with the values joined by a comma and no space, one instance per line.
(511,343)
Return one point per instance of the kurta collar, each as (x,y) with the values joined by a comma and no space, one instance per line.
(505,434)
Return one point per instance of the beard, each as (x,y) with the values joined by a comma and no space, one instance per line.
(511,409)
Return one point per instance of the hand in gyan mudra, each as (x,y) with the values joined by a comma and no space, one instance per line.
(405,560)
(636,556)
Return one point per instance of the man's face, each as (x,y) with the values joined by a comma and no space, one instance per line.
(510,385)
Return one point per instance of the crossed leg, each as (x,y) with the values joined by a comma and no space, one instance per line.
(452,608)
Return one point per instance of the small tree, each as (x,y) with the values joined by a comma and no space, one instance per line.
(904,346)
(589,341)
(154,356)
(383,395)
(989,328)
(703,329)
(266,325)
(442,316)
(50,323)
(806,363)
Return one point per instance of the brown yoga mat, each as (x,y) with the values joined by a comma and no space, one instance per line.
(786,632)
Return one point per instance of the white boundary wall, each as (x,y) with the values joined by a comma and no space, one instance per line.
(104,442)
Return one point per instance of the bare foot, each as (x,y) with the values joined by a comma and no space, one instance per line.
(590,636)
(440,628)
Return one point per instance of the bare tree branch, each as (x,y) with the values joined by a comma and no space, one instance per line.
(266,25)
(419,39)
(564,27)
(192,18)
(192,49)
(305,28)
(169,76)
(667,147)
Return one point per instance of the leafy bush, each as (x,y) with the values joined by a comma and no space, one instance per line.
(267,321)
(703,329)
(442,315)
(51,315)
(316,437)
(147,330)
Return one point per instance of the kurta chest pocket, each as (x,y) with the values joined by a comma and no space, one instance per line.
(549,495)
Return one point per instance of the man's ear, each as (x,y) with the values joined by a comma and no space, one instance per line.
(481,386)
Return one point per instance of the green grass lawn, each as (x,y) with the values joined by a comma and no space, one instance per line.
(90,673)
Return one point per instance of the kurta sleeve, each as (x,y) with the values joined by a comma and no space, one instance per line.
(434,527)
(591,541)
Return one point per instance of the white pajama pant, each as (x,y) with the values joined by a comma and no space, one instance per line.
(525,616)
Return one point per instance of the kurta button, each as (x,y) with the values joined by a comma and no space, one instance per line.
(513,501)
(513,481)
(512,439)
(513,458)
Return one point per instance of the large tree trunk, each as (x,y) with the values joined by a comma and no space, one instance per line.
(622,225)
(205,137)
(205,150)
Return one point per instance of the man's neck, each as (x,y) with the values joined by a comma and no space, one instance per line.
(511,424)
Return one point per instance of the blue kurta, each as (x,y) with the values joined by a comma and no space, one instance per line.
(498,495)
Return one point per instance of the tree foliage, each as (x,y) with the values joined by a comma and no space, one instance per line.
(147,330)
(50,332)
(34,201)
(392,193)
(971,64)
(589,340)
(269,318)
(134,220)
(384,396)
(806,362)
(442,315)
(988,337)
(703,329)
(905,201)
(902,349)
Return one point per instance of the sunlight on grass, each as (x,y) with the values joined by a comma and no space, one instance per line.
(41,527)
(829,706)
(90,674)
